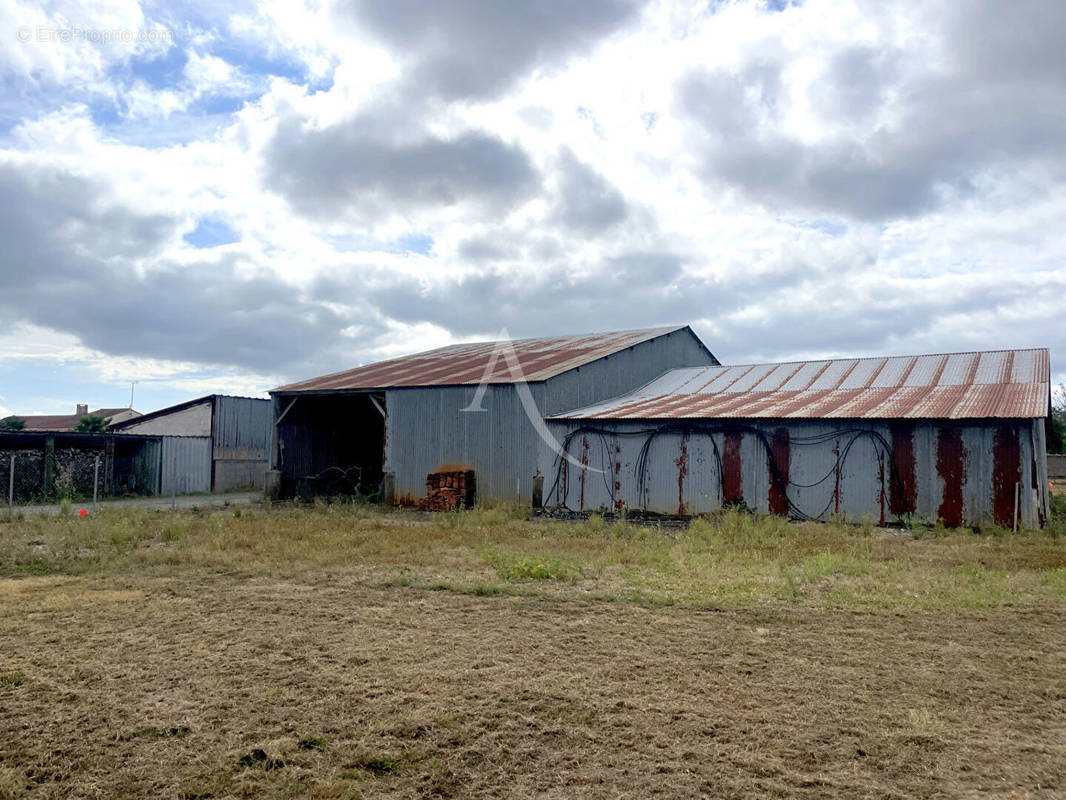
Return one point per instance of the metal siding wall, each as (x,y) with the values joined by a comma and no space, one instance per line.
(185,464)
(977,490)
(146,465)
(928,485)
(231,473)
(623,372)
(241,427)
(865,478)
(277,405)
(1039,441)
(241,430)
(426,428)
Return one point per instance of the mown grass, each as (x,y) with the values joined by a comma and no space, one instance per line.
(727,560)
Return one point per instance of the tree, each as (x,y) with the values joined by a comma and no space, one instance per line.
(92,424)
(1056,440)
(12,423)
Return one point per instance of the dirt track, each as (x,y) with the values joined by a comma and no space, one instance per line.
(204,688)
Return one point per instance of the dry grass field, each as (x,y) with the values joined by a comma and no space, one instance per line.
(342,652)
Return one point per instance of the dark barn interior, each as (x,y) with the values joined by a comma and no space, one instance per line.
(331,444)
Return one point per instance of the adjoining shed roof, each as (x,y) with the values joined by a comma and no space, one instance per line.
(461,364)
(174,409)
(162,412)
(1002,383)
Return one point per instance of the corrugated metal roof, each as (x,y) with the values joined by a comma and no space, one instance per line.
(459,364)
(1002,383)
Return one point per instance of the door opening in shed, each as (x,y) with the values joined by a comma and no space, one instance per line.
(331,444)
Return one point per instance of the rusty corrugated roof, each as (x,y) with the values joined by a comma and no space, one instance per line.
(1001,383)
(459,364)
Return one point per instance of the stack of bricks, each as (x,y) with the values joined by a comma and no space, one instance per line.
(448,491)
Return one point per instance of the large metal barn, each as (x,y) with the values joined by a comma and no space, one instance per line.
(470,406)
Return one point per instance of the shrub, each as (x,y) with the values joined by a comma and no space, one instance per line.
(92,424)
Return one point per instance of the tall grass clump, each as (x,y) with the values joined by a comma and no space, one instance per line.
(1056,524)
(531,567)
(739,529)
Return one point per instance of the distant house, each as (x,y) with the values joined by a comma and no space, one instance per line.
(68,422)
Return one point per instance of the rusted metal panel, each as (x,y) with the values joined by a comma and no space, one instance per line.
(465,364)
(732,469)
(780,457)
(1011,384)
(951,466)
(903,495)
(1006,474)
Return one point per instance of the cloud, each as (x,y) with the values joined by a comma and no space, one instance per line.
(77,266)
(476,49)
(279,195)
(901,131)
(368,169)
(587,203)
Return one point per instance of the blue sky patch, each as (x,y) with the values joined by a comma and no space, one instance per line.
(211,232)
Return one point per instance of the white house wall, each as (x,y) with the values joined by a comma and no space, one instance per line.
(194,421)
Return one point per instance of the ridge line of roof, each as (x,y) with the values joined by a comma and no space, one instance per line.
(873,358)
(648,334)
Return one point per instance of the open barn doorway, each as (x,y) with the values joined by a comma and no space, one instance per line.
(332,444)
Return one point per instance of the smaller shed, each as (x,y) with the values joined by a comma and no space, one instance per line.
(235,434)
(50,464)
(958,437)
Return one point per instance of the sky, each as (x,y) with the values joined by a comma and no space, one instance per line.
(202,197)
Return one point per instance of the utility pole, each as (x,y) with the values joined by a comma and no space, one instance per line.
(132,385)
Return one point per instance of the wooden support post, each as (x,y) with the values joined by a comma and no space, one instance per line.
(96,480)
(11,489)
(48,483)
(109,466)
(538,491)
(1017,497)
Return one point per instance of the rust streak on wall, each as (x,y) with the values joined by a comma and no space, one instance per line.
(902,489)
(732,480)
(682,472)
(1006,472)
(951,466)
(779,452)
